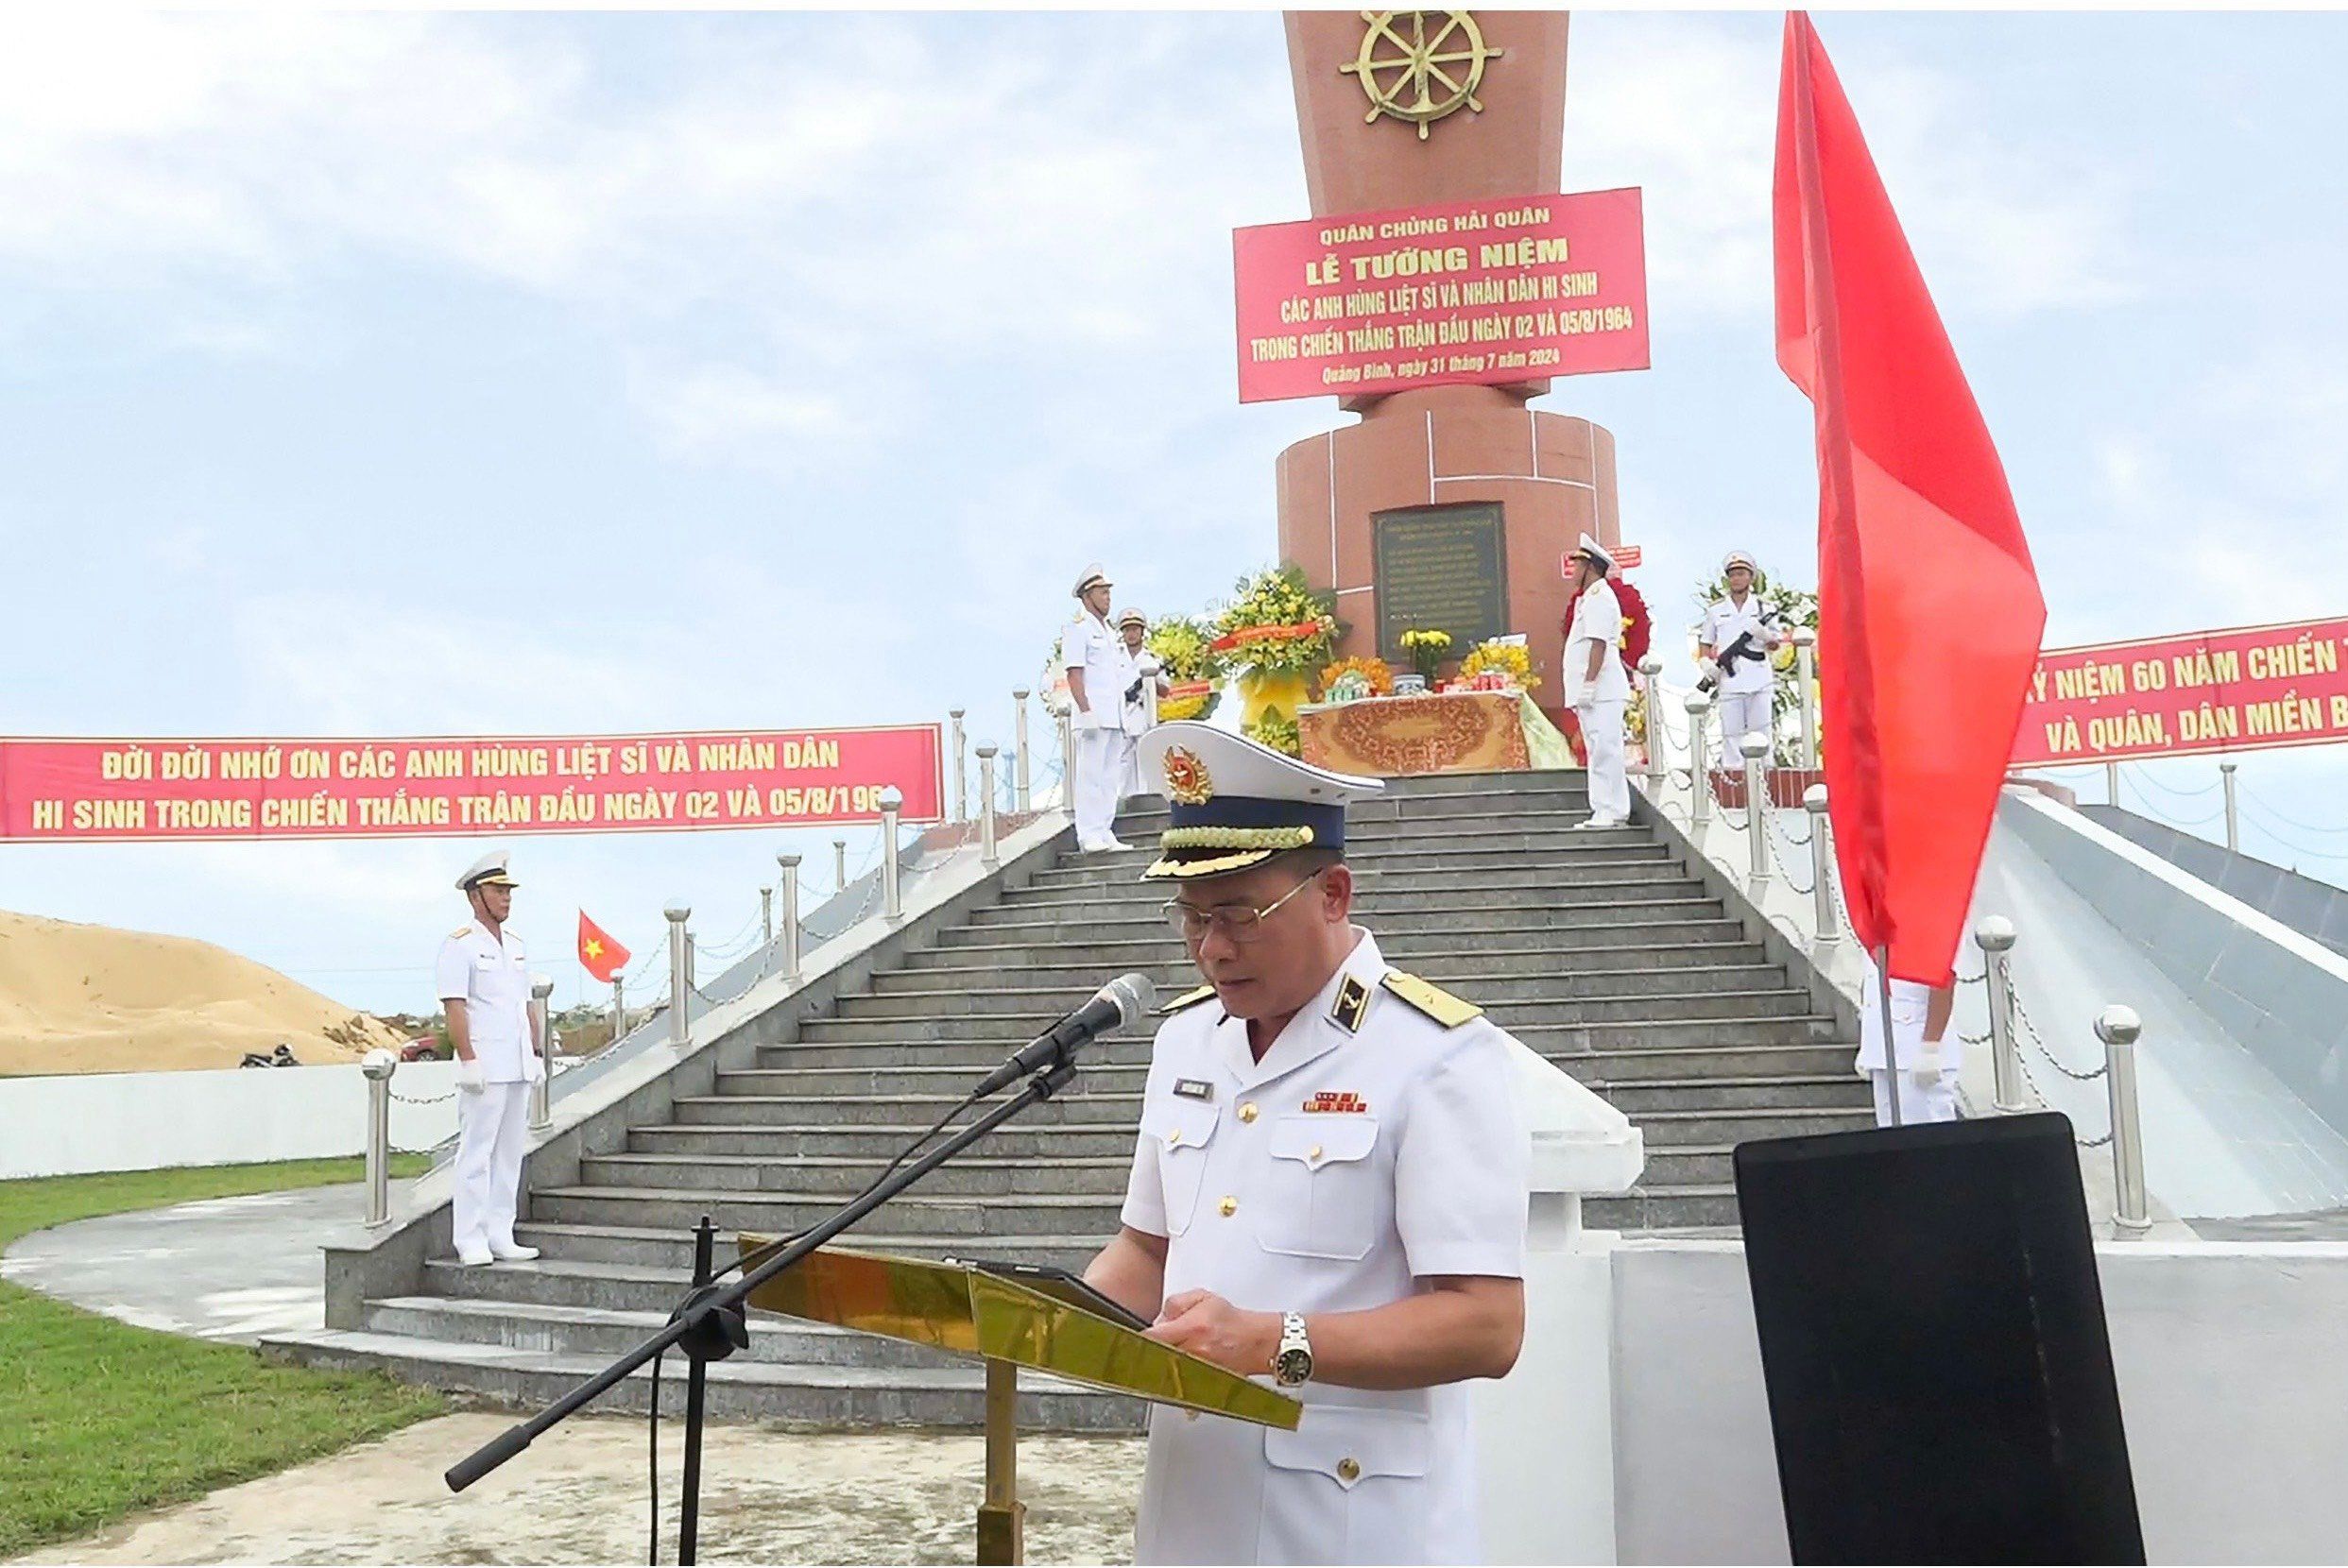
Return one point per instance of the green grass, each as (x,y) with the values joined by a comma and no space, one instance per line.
(100,1420)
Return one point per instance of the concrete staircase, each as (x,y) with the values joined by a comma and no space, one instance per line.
(1595,948)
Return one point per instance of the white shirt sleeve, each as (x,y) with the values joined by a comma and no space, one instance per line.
(452,974)
(1073,642)
(1145,1184)
(1462,1174)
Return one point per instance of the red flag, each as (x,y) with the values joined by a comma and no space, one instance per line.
(601,954)
(1929,613)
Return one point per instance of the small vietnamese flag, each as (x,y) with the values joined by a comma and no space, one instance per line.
(602,955)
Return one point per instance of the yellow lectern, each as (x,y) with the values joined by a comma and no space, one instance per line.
(1008,1324)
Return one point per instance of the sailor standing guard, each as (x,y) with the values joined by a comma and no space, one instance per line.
(1100,671)
(1597,686)
(484,982)
(1141,698)
(1329,1191)
(1734,644)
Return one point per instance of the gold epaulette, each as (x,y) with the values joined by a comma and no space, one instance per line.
(461,931)
(1433,1000)
(1188,998)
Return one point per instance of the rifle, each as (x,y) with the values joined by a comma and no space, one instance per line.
(1724,663)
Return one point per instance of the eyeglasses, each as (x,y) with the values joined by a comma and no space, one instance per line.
(1234,922)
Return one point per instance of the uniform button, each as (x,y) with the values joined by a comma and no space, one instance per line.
(1229,1206)
(1174,1137)
(1348,1468)
(1313,1153)
(1247,1112)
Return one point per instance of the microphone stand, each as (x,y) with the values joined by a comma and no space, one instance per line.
(712,1322)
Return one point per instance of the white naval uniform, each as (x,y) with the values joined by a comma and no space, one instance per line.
(1280,1209)
(490,978)
(1598,706)
(1091,646)
(1743,698)
(1140,719)
(1919,1101)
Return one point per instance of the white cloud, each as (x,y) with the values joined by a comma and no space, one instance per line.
(717,410)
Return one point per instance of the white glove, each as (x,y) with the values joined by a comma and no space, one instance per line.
(533,1067)
(469,1079)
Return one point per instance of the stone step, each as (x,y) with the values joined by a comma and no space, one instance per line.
(1664,1208)
(926,1017)
(671,1250)
(979,1221)
(951,968)
(874,1143)
(1572,855)
(610,1332)
(1460,911)
(1079,1106)
(1118,941)
(1436,795)
(985,1174)
(1017,993)
(1600,881)
(740,1388)
(1689,1129)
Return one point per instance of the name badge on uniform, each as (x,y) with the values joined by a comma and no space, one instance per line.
(1195,1088)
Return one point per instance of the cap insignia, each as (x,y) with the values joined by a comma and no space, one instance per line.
(1188,783)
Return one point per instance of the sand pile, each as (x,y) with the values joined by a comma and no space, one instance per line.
(89,998)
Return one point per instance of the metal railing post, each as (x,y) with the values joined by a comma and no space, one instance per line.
(1823,917)
(680,974)
(989,854)
(619,1009)
(790,865)
(2111,783)
(962,791)
(1699,769)
(839,865)
(1658,768)
(1022,782)
(2117,1028)
(543,1014)
(1756,748)
(378,1066)
(1806,673)
(1995,937)
(1068,762)
(892,891)
(767,917)
(2233,822)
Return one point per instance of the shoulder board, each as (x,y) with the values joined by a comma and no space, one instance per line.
(1433,1000)
(459,932)
(1188,998)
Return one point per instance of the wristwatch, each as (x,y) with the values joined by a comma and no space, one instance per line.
(1292,1364)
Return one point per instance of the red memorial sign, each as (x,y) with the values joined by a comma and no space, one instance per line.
(1477,292)
(87,791)
(2245,690)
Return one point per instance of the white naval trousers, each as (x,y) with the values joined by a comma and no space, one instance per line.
(1602,735)
(1742,713)
(1917,1102)
(1100,758)
(493,1130)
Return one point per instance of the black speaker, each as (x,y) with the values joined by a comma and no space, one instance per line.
(1932,1336)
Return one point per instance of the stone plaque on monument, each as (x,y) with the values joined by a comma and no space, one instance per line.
(1439,567)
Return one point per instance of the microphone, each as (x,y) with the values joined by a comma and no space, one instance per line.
(1119,1002)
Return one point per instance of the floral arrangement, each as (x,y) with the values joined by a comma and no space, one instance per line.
(1278,731)
(1426,646)
(1374,670)
(1190,699)
(1277,624)
(1511,660)
(1184,649)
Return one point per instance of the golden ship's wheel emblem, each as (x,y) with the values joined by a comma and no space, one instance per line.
(1420,79)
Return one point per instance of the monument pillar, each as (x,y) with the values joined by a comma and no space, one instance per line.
(1377,139)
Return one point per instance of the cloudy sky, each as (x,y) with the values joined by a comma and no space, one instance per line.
(431,373)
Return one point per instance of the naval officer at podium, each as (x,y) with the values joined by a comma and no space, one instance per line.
(1329,1191)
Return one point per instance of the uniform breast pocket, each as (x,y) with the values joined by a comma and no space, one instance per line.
(1326,1198)
(1180,1130)
(1350,1485)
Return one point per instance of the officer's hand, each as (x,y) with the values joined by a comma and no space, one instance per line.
(1212,1329)
(469,1079)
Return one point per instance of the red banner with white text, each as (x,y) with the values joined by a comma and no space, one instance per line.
(2247,689)
(54,789)
(1477,292)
